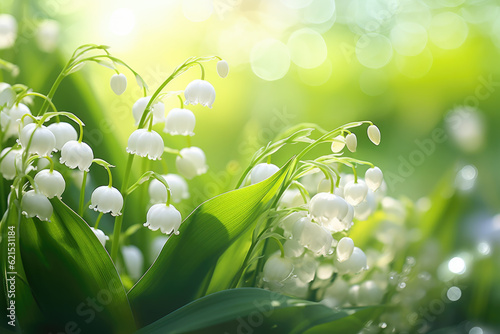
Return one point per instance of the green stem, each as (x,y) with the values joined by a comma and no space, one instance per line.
(82,193)
(98,220)
(182,102)
(119,219)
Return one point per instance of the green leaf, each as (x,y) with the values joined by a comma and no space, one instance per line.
(251,310)
(72,277)
(186,262)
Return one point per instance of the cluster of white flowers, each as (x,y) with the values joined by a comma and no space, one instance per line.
(315,215)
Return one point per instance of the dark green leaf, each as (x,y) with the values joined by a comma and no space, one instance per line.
(72,277)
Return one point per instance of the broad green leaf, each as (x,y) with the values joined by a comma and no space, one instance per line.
(72,276)
(177,276)
(250,310)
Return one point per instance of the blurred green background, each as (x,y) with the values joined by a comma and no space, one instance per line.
(419,69)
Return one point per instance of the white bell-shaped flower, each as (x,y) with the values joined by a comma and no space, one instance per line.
(200,91)
(106,199)
(63,132)
(164,217)
(118,83)
(374,178)
(305,268)
(354,264)
(288,222)
(7,95)
(291,198)
(158,110)
(293,248)
(134,261)
(355,193)
(277,269)
(100,236)
(12,119)
(312,236)
(43,141)
(329,210)
(351,142)
(11,163)
(338,144)
(374,134)
(222,68)
(345,247)
(50,184)
(191,162)
(8,31)
(262,171)
(180,122)
(75,154)
(178,189)
(37,205)
(146,143)
(366,208)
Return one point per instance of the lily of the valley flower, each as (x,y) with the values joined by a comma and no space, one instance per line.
(262,171)
(338,144)
(144,143)
(191,162)
(63,132)
(374,178)
(11,118)
(50,183)
(107,199)
(37,205)
(158,110)
(43,141)
(178,189)
(222,68)
(200,91)
(8,31)
(134,261)
(355,193)
(331,211)
(312,236)
(277,269)
(75,154)
(374,134)
(11,163)
(118,83)
(180,122)
(354,264)
(100,235)
(164,217)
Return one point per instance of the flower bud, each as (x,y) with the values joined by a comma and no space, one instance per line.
(12,119)
(118,83)
(374,178)
(158,110)
(50,184)
(200,91)
(178,188)
(262,171)
(107,199)
(37,205)
(355,193)
(374,134)
(222,68)
(164,217)
(351,142)
(43,141)
(134,261)
(75,154)
(100,236)
(191,162)
(291,198)
(345,248)
(63,132)
(11,163)
(338,144)
(354,264)
(8,31)
(277,269)
(180,122)
(146,143)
